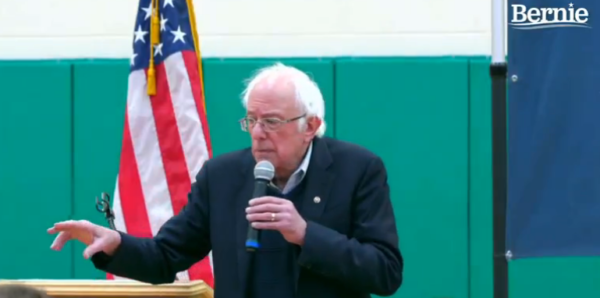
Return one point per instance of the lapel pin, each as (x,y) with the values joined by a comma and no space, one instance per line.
(317,200)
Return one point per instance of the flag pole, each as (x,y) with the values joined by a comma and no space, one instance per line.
(498,72)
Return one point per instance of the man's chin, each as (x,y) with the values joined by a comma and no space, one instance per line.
(263,155)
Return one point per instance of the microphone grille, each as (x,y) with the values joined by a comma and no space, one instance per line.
(264,170)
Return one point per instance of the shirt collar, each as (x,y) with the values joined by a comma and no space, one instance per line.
(300,173)
(304,165)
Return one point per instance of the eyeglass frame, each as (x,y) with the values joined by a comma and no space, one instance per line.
(279,122)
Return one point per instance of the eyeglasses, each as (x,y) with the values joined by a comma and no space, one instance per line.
(268,124)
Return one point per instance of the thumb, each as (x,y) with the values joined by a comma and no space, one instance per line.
(93,248)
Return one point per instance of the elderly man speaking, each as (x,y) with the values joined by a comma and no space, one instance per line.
(327,226)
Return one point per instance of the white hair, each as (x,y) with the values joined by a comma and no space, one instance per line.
(308,95)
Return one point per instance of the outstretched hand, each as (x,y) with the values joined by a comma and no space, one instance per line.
(95,237)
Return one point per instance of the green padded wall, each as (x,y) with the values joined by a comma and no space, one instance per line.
(555,278)
(480,179)
(429,118)
(35,167)
(413,113)
(100,95)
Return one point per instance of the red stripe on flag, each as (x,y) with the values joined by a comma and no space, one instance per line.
(191,64)
(202,271)
(133,204)
(169,141)
(174,161)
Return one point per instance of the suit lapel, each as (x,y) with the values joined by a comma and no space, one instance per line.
(318,182)
(243,196)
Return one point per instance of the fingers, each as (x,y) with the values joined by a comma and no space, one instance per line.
(267,207)
(60,240)
(267,200)
(268,217)
(82,230)
(277,225)
(263,209)
(266,211)
(71,225)
(92,249)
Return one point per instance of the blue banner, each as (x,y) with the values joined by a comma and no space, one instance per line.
(553,128)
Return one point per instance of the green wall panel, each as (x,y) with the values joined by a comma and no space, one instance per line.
(100,96)
(480,179)
(413,113)
(555,278)
(225,80)
(35,168)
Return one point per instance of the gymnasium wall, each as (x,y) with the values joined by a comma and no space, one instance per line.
(405,79)
(429,118)
(36,29)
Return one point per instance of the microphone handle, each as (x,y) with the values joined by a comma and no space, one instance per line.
(252,242)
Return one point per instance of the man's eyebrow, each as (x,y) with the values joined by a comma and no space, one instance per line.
(266,115)
(270,115)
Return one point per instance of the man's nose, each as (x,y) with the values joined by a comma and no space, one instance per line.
(257,131)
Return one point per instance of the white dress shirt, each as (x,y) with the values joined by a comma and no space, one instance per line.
(299,174)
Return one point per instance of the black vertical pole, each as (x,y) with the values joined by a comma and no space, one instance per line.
(498,73)
(499,163)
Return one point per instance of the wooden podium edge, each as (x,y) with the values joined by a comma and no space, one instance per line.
(109,288)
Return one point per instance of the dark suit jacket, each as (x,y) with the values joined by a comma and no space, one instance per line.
(351,244)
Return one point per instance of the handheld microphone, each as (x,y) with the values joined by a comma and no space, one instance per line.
(264,171)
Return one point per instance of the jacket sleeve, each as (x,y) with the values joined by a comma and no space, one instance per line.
(369,259)
(182,241)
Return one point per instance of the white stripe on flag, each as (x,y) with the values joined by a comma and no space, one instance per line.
(148,157)
(119,220)
(118,209)
(147,153)
(186,113)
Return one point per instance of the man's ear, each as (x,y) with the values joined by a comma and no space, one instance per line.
(312,125)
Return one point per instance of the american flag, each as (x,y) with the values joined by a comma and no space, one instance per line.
(165,138)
